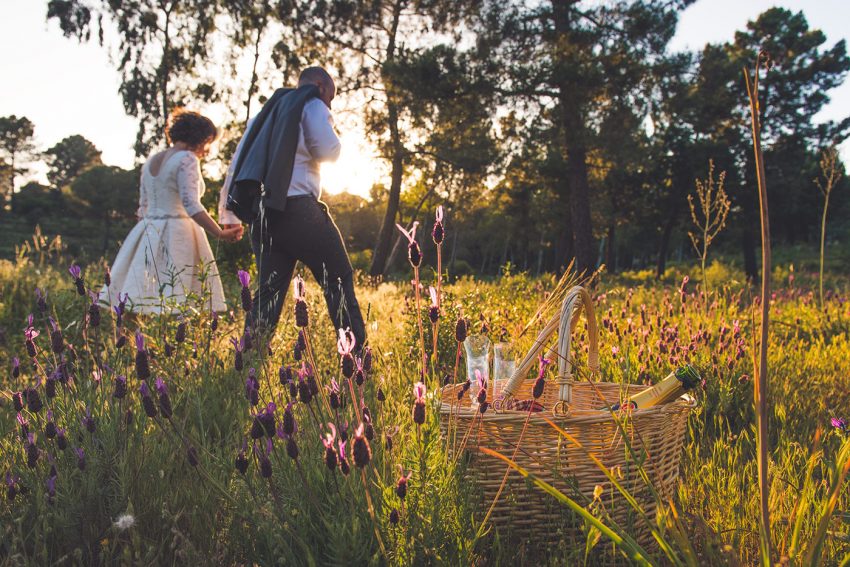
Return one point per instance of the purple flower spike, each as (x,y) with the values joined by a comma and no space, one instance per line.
(244,278)
(140,341)
(16,367)
(75,271)
(839,423)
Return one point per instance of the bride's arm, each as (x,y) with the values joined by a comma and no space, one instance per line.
(189,185)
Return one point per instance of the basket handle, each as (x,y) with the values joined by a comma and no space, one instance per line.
(565,323)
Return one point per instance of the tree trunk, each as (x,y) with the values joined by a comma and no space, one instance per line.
(576,151)
(382,246)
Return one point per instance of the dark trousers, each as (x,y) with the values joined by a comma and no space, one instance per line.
(304,231)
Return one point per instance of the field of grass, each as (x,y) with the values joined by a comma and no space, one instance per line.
(223,460)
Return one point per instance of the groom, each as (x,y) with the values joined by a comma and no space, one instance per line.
(274,185)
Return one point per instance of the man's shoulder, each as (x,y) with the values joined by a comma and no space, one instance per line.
(316,106)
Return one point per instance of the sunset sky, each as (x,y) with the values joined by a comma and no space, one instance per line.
(67,88)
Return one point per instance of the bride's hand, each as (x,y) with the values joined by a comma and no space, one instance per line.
(233,233)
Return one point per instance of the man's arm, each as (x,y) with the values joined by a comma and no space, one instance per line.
(319,134)
(225,217)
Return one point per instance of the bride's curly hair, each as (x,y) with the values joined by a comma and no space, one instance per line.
(191,128)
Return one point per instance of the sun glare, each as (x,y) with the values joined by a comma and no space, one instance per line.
(356,170)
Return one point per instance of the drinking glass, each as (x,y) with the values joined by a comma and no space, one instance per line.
(477,349)
(504,366)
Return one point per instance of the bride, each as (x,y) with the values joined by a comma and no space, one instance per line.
(166,257)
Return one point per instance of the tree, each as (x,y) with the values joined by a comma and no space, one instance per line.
(161,48)
(561,59)
(111,193)
(16,147)
(69,158)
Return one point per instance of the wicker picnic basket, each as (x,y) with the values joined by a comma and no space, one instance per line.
(655,438)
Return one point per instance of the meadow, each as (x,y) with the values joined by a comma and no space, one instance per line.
(179,439)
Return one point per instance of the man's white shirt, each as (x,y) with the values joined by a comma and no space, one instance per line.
(317,142)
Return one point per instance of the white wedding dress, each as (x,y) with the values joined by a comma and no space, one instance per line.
(166,259)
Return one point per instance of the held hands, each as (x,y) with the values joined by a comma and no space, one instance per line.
(231,232)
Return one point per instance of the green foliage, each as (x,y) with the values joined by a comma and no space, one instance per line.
(69,158)
(16,147)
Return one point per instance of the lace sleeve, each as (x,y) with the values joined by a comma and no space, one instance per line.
(189,183)
(143,198)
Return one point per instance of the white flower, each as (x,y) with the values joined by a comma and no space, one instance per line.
(124,522)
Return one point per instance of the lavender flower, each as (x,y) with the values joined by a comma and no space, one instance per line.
(40,300)
(238,347)
(434,310)
(18,401)
(252,387)
(33,400)
(164,399)
(50,427)
(50,386)
(32,451)
(414,253)
(120,387)
(419,403)
(94,309)
(331,459)
(30,334)
(344,467)
(333,395)
(267,420)
(214,322)
(345,346)
(107,277)
(76,273)
(241,461)
(539,384)
(180,336)
(265,463)
(840,424)
(16,368)
(394,517)
(147,401)
(57,345)
(292,448)
(12,487)
(367,360)
(438,233)
(302,318)
(143,371)
(81,458)
(51,487)
(401,484)
(360,451)
(88,421)
(285,375)
(245,280)
(461,329)
(61,440)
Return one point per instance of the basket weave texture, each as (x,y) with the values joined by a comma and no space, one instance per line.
(656,435)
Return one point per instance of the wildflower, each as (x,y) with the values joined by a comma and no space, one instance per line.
(265,463)
(292,448)
(57,345)
(840,424)
(483,406)
(289,426)
(285,375)
(143,371)
(359,374)
(16,368)
(50,386)
(345,345)
(33,400)
(120,387)
(394,516)
(241,461)
(481,383)
(88,421)
(247,340)
(305,394)
(301,341)
(419,403)
(180,336)
(30,333)
(401,485)
(40,300)
(434,310)
(539,384)
(252,387)
(164,399)
(25,425)
(94,309)
(302,318)
(461,329)
(124,522)
(380,395)
(367,360)
(333,395)
(192,455)
(214,322)
(328,439)
(32,451)
(50,484)
(12,488)
(147,401)
(245,280)
(464,389)
(414,254)
(61,440)
(368,430)
(238,347)
(438,233)
(76,273)
(50,426)
(344,467)
(18,401)
(81,458)
(360,450)
(266,419)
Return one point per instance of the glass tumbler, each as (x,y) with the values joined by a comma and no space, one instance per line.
(504,366)
(477,349)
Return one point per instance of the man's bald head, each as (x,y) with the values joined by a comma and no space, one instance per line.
(322,79)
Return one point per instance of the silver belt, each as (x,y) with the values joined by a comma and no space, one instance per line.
(163,217)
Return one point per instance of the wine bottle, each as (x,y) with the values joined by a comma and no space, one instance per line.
(678,382)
